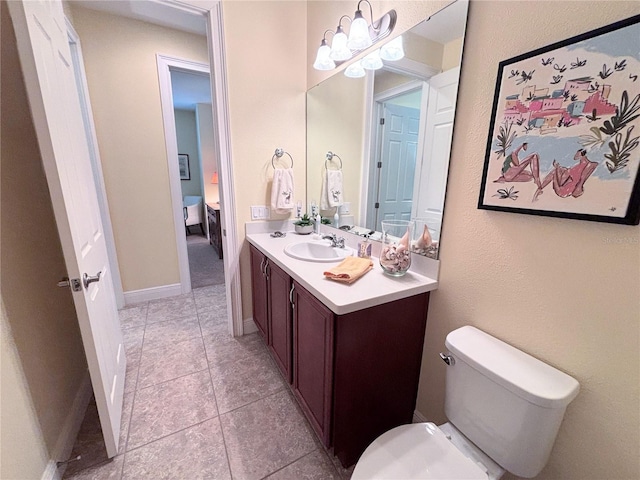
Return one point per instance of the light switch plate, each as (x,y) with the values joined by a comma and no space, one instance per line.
(259,212)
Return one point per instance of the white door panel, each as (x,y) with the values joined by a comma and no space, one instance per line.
(441,107)
(49,78)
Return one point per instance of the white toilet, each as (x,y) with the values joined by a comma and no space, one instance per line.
(504,409)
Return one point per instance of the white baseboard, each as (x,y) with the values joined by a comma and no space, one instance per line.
(418,417)
(69,432)
(248,326)
(154,293)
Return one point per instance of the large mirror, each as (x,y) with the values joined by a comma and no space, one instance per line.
(389,133)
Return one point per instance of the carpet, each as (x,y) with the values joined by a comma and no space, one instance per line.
(205,266)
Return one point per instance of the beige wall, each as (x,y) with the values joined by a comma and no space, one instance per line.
(266,65)
(43,362)
(120,62)
(565,291)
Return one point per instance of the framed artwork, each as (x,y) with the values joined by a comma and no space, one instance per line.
(183,165)
(565,129)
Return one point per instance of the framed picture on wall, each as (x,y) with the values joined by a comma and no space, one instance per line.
(183,165)
(564,137)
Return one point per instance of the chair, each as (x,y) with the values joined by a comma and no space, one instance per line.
(193,212)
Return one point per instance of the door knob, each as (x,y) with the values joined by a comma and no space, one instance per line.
(89,279)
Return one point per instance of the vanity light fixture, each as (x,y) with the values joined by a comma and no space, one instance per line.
(323,59)
(339,50)
(372,61)
(392,50)
(361,36)
(355,70)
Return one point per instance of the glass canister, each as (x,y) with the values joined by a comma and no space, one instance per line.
(395,256)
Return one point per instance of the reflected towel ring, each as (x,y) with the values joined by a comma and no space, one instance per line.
(330,156)
(279,153)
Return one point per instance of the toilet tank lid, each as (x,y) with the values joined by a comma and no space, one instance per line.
(518,372)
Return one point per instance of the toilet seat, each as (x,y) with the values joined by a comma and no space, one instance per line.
(417,451)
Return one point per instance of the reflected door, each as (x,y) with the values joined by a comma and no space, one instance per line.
(397,164)
(432,179)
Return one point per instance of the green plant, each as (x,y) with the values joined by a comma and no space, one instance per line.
(626,113)
(621,151)
(505,138)
(304,221)
(325,221)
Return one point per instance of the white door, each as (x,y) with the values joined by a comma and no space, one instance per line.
(49,78)
(432,179)
(397,163)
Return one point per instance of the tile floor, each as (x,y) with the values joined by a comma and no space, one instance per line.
(200,404)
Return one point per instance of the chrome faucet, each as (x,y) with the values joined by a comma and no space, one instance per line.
(335,241)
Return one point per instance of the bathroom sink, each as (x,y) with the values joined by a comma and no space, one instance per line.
(317,251)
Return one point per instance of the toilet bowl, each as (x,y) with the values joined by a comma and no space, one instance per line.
(425,451)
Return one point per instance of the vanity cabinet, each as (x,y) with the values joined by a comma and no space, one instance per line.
(354,375)
(272,309)
(313,360)
(259,264)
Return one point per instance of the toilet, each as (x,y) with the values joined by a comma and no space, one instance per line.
(504,409)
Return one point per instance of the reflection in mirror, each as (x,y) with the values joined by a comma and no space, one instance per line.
(392,130)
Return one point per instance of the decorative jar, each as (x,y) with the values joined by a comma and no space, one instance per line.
(395,256)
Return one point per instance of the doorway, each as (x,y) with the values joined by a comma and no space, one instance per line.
(199,179)
(392,171)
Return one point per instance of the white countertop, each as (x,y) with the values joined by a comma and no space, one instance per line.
(374,288)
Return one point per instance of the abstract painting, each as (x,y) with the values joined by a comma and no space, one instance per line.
(564,139)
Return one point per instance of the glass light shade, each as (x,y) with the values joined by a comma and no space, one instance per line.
(355,70)
(339,49)
(392,50)
(359,37)
(323,61)
(214,178)
(372,61)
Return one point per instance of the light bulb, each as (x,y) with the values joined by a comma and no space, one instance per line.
(392,50)
(372,61)
(355,70)
(359,37)
(339,50)
(323,61)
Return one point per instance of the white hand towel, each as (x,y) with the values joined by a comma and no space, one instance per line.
(282,190)
(331,193)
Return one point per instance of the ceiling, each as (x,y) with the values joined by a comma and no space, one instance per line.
(167,14)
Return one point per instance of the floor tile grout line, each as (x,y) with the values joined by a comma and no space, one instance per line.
(315,449)
(133,400)
(138,447)
(215,397)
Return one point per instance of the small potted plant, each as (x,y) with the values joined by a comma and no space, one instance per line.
(303,226)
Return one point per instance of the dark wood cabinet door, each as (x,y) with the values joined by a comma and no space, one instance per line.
(313,360)
(260,295)
(280,323)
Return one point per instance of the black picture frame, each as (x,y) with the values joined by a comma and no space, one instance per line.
(564,137)
(183,166)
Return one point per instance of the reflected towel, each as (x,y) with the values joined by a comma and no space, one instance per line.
(350,269)
(331,194)
(282,190)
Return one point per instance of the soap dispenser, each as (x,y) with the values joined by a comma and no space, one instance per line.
(364,248)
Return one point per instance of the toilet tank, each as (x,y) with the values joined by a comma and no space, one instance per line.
(505,401)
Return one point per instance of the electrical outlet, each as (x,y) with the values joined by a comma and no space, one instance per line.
(259,212)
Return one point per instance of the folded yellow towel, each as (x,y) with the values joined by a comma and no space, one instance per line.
(350,269)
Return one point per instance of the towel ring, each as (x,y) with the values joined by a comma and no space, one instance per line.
(278,154)
(330,156)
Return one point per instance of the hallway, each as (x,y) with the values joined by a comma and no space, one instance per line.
(200,404)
